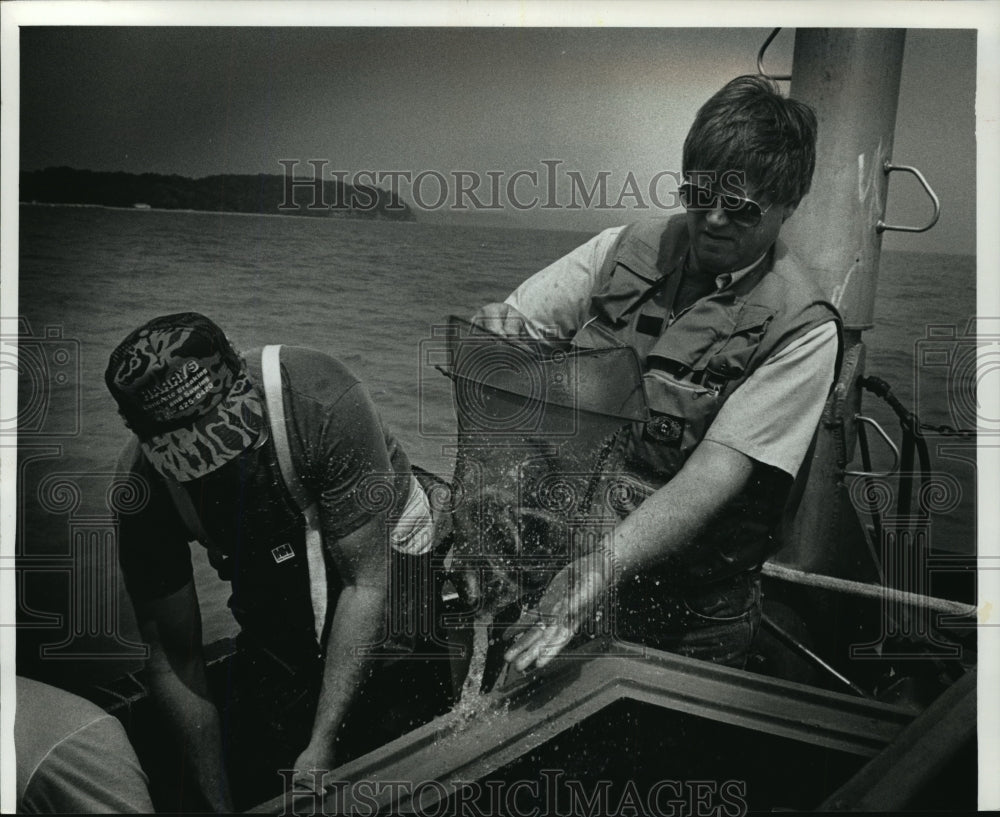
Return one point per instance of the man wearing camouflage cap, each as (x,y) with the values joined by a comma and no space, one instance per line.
(208,439)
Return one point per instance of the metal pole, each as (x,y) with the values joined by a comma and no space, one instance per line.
(851,79)
(870,591)
(801,648)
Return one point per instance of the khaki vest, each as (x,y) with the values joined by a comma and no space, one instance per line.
(691,367)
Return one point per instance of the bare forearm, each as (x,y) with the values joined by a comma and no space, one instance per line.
(669,521)
(358,622)
(172,628)
(665,525)
(182,694)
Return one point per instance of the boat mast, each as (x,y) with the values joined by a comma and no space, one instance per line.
(851,79)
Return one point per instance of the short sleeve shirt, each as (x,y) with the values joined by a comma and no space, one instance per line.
(73,757)
(771,417)
(344,456)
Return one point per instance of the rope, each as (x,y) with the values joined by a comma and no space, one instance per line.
(866,464)
(914,445)
(914,442)
(880,388)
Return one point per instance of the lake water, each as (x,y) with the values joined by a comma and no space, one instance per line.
(368,293)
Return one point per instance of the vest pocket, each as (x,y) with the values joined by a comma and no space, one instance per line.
(624,290)
(681,412)
(732,360)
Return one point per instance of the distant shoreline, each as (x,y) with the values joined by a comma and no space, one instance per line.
(134,209)
(222,193)
(437,222)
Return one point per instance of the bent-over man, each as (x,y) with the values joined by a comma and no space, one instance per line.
(289,510)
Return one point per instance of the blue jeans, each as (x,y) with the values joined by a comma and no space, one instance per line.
(716,622)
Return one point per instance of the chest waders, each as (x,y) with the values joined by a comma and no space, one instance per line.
(275,410)
(414,517)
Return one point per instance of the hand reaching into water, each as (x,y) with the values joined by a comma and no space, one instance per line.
(573,596)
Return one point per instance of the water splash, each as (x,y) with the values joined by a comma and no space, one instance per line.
(473,704)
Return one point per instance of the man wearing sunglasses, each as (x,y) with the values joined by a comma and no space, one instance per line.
(738,350)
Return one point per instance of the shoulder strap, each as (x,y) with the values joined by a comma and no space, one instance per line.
(189,516)
(270,366)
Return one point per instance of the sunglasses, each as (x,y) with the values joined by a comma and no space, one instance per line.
(741,211)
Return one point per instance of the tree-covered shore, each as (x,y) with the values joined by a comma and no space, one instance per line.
(261,193)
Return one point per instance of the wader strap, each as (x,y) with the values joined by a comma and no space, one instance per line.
(271,374)
(185,507)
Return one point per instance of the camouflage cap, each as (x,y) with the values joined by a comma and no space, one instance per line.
(183,389)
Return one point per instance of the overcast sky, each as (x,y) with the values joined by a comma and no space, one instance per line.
(199,101)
